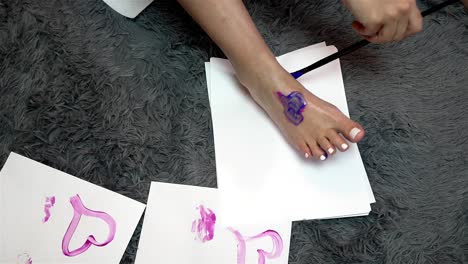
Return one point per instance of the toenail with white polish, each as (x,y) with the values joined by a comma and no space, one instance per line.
(322,157)
(353,133)
(344,146)
(330,150)
(306,155)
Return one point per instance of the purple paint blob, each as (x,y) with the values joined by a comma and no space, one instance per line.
(293,105)
(262,254)
(50,202)
(79,210)
(204,226)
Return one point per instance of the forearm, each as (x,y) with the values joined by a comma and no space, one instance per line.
(229,24)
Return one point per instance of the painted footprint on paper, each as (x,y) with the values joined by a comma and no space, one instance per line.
(79,210)
(204,226)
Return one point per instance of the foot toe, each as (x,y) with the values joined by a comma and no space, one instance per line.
(338,141)
(326,146)
(304,149)
(318,153)
(352,131)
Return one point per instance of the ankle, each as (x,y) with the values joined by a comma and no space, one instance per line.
(262,77)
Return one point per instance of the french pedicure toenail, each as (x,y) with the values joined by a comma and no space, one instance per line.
(344,146)
(306,155)
(331,150)
(324,157)
(353,133)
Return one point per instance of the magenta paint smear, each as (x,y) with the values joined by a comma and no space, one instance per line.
(24,259)
(262,254)
(50,202)
(79,210)
(204,226)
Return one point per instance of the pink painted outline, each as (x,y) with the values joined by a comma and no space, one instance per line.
(50,202)
(79,210)
(262,254)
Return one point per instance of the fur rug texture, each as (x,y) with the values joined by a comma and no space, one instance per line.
(121,102)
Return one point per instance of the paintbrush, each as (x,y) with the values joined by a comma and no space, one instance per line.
(359,44)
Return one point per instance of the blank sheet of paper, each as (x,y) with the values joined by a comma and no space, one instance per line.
(182,226)
(259,173)
(37,215)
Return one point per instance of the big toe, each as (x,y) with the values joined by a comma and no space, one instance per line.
(351,130)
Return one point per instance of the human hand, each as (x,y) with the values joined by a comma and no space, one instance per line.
(381,21)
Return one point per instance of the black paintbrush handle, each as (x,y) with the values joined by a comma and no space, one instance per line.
(359,44)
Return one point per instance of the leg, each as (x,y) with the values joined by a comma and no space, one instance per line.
(229,24)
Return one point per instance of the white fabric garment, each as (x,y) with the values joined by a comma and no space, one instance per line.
(128,8)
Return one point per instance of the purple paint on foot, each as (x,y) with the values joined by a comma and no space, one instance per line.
(262,254)
(79,210)
(205,225)
(293,105)
(50,202)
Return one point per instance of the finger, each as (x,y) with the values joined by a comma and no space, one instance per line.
(415,23)
(401,30)
(386,34)
(465,3)
(368,30)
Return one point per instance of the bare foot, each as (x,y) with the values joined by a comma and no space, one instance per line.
(320,132)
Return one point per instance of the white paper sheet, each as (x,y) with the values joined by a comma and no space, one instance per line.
(24,186)
(253,177)
(128,8)
(167,235)
(289,59)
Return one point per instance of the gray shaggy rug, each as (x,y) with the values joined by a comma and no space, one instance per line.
(122,102)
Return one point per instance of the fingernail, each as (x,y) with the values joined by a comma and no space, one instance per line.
(330,150)
(306,155)
(353,133)
(344,146)
(323,157)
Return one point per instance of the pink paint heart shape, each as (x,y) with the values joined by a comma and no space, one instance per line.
(79,210)
(262,254)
